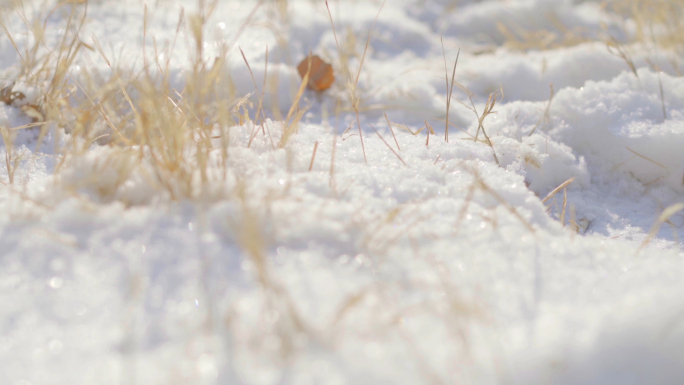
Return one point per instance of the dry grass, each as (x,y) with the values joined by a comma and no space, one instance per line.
(449,89)
(522,39)
(662,218)
(545,117)
(657,21)
(487,110)
(180,141)
(173,134)
(353,80)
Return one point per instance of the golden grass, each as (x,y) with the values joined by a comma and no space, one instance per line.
(521,39)
(662,218)
(179,136)
(173,132)
(180,141)
(560,187)
(353,81)
(487,110)
(449,89)
(657,22)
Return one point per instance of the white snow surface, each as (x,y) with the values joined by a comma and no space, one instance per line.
(447,269)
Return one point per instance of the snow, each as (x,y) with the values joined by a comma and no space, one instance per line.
(432,262)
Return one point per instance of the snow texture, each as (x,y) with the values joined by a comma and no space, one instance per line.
(442,266)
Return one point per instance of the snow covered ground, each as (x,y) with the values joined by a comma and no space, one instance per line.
(410,260)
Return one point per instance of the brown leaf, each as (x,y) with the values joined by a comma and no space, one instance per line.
(321,76)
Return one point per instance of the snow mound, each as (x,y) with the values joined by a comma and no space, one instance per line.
(354,256)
